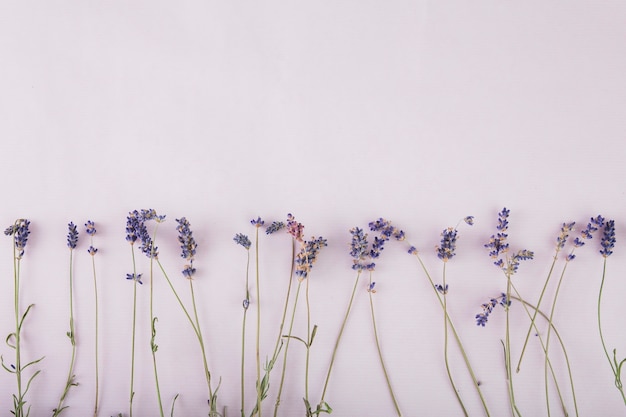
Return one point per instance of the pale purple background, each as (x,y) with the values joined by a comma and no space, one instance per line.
(339,112)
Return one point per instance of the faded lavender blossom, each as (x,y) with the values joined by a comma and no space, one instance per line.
(608,239)
(307,256)
(242,240)
(294,228)
(188,246)
(274,227)
(469,220)
(442,289)
(72,236)
(564,235)
(481,319)
(19,231)
(370,287)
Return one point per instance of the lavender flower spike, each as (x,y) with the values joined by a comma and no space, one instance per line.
(72,236)
(608,239)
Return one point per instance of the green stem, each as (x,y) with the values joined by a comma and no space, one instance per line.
(71,334)
(343,326)
(153,319)
(95,290)
(526,304)
(308,344)
(380,353)
(243,334)
(286,350)
(532,321)
(616,372)
(445,341)
(507,350)
(456,337)
(280,330)
(258,327)
(132,355)
(547,347)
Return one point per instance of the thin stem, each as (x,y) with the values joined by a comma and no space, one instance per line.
(153,321)
(343,326)
(507,350)
(445,340)
(380,353)
(71,334)
(286,350)
(95,290)
(258,327)
(456,337)
(132,355)
(547,347)
(616,371)
(243,334)
(308,344)
(207,374)
(532,321)
(526,304)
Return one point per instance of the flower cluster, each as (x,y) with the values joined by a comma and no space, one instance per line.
(587,233)
(19,231)
(564,235)
(448,244)
(294,228)
(134,277)
(90,229)
(136,230)
(257,223)
(498,246)
(608,239)
(307,256)
(274,227)
(242,240)
(359,250)
(481,319)
(72,235)
(187,244)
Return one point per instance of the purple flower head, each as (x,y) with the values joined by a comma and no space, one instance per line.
(137,221)
(242,240)
(185,238)
(608,238)
(189,271)
(562,238)
(497,243)
(72,235)
(19,231)
(90,228)
(412,250)
(482,318)
(92,251)
(307,256)
(257,223)
(132,225)
(134,277)
(448,244)
(274,227)
(469,220)
(370,288)
(359,250)
(442,289)
(294,228)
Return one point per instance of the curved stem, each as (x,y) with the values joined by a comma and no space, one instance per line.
(153,319)
(456,337)
(97,377)
(286,350)
(243,335)
(532,321)
(616,372)
(445,340)
(343,326)
(380,353)
(132,354)
(526,304)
